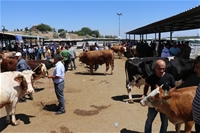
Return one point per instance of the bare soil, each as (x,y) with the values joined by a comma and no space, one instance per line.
(94,103)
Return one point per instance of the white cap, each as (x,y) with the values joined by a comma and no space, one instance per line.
(18,54)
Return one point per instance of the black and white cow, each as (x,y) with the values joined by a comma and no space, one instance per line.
(137,69)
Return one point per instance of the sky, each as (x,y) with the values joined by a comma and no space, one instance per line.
(95,14)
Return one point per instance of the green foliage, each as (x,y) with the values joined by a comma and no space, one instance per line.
(26,29)
(85,31)
(60,30)
(55,35)
(62,34)
(43,27)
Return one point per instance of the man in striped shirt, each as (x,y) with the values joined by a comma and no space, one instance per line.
(196,101)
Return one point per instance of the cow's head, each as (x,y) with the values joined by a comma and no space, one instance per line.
(156,97)
(82,57)
(27,74)
(22,81)
(137,81)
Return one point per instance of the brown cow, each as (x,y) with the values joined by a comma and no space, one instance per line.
(98,57)
(10,65)
(175,104)
(118,49)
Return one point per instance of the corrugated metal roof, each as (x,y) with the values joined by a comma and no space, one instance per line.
(189,19)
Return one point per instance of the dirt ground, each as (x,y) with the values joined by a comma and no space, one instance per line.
(94,103)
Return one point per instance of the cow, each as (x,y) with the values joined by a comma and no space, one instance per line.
(98,57)
(137,69)
(118,49)
(13,86)
(175,104)
(38,67)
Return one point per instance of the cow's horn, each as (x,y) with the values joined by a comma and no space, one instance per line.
(161,86)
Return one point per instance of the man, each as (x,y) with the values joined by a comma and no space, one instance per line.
(196,103)
(186,51)
(21,66)
(165,51)
(65,54)
(160,77)
(174,50)
(73,56)
(58,79)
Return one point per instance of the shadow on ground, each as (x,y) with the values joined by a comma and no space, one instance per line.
(121,98)
(88,73)
(22,117)
(50,107)
(124,130)
(38,89)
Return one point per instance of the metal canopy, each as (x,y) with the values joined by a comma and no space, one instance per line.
(187,20)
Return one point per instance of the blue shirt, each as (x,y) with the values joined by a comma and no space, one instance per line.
(59,70)
(175,51)
(22,65)
(165,52)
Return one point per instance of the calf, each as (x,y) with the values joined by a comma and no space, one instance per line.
(98,57)
(13,86)
(175,104)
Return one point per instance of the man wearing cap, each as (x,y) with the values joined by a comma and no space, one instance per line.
(21,66)
(58,80)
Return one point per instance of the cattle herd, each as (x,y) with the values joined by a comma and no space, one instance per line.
(136,70)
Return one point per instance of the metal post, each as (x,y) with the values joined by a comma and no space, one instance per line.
(119,14)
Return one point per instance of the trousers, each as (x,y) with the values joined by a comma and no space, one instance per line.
(59,90)
(150,118)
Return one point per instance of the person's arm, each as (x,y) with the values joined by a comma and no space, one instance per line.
(21,67)
(146,88)
(53,77)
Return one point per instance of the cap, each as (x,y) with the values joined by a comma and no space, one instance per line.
(18,54)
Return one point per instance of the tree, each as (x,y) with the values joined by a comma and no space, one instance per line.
(55,35)
(95,33)
(60,30)
(62,34)
(26,29)
(43,28)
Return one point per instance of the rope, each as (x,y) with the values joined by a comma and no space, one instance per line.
(37,67)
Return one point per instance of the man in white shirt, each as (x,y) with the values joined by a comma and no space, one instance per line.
(58,79)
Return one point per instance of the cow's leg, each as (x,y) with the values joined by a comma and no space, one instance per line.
(13,106)
(112,66)
(91,69)
(129,95)
(188,126)
(8,110)
(107,67)
(178,128)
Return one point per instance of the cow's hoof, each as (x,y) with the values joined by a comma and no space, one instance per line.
(15,123)
(130,101)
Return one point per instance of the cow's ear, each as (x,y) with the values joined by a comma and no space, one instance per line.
(19,78)
(166,97)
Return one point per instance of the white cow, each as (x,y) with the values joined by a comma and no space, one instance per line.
(13,86)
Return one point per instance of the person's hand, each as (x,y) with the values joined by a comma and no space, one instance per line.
(49,76)
(143,96)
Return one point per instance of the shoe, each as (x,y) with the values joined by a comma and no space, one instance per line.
(60,112)
(22,100)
